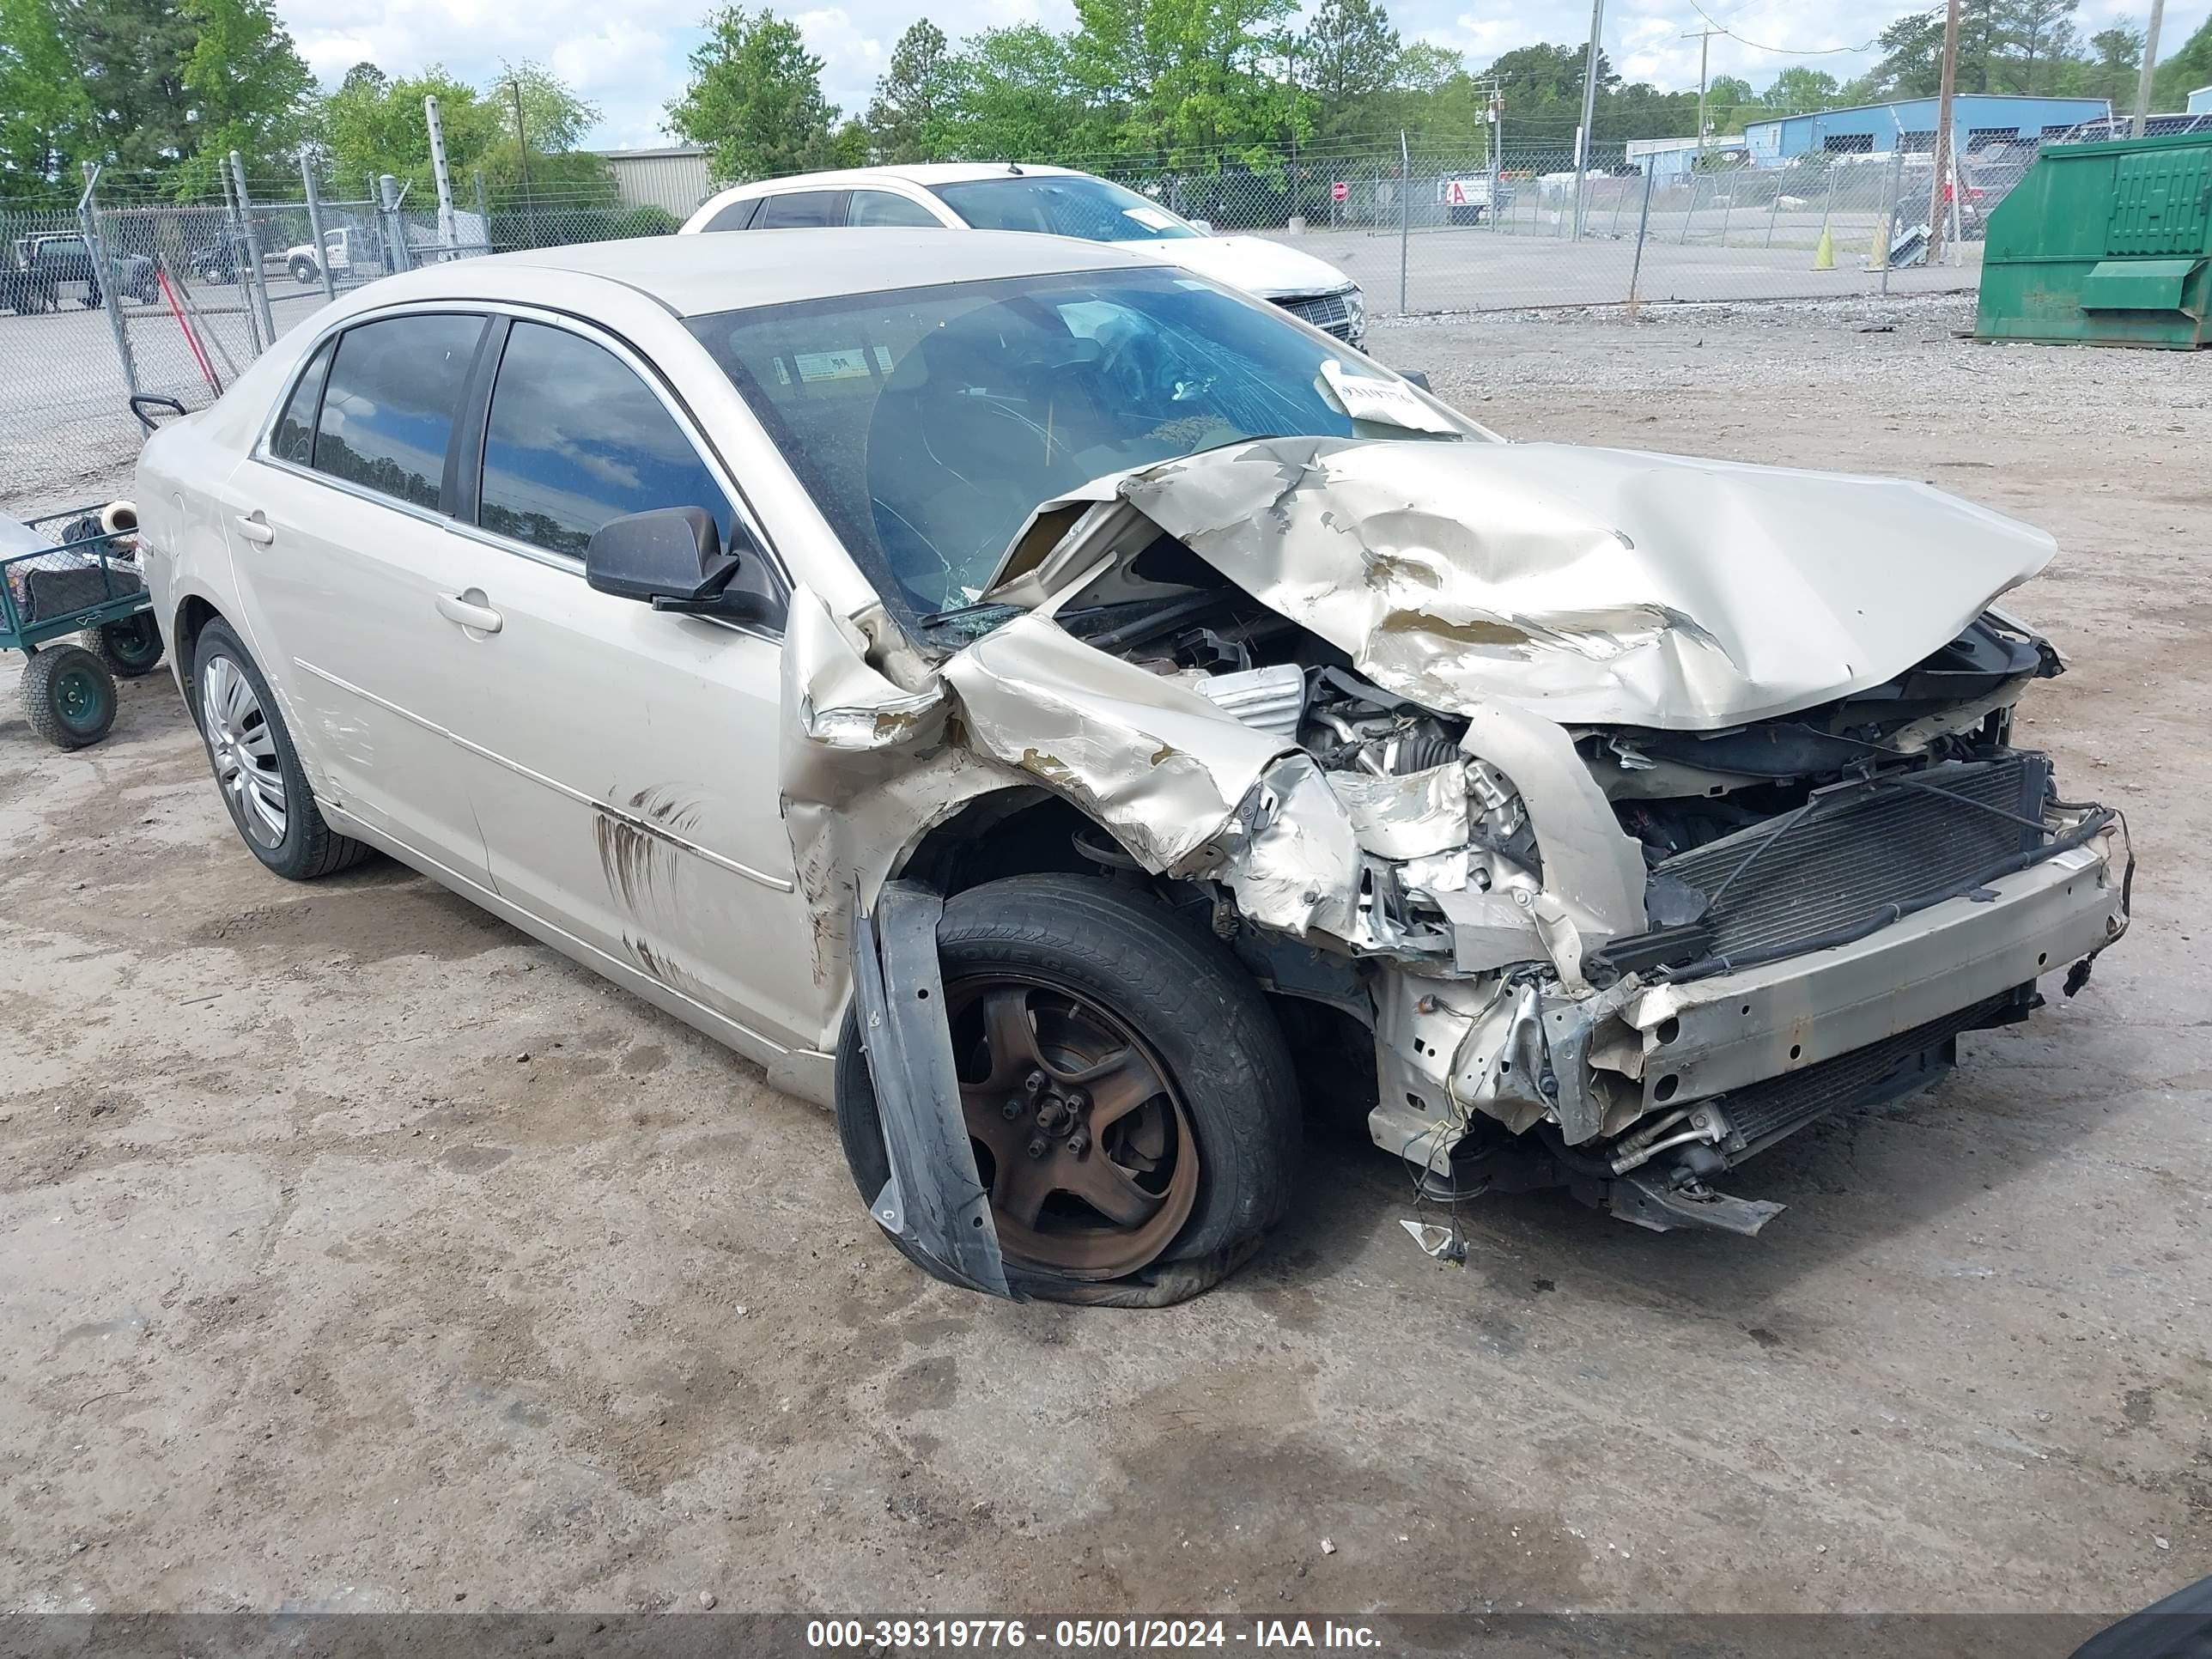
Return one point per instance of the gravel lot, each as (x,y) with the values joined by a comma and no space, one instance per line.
(361,1254)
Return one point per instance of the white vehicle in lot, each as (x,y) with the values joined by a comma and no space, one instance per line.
(1053,201)
(1061,711)
(338,251)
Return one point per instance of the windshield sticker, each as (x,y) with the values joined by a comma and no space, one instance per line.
(1392,403)
(831,365)
(1150,217)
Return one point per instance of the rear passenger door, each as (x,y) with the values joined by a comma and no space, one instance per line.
(623,760)
(338,536)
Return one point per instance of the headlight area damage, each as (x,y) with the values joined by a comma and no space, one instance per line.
(1642,809)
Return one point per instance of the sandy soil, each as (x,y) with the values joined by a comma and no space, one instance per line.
(361,1254)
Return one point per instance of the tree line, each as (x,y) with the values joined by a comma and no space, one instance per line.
(1206,84)
(165,89)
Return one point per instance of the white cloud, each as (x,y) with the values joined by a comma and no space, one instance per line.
(632,61)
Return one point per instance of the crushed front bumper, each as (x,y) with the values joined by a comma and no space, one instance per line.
(1776,1045)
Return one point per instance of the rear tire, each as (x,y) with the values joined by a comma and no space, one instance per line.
(130,647)
(257,767)
(1204,1032)
(69,696)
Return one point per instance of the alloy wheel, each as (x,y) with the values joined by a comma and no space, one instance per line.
(244,750)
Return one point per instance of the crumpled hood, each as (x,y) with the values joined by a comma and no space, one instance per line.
(1270,270)
(1593,586)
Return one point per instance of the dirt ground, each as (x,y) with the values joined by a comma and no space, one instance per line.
(361,1254)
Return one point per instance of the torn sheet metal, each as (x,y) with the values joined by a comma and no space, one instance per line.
(864,769)
(1150,759)
(935,1200)
(1593,586)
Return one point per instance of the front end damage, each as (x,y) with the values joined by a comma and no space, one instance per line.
(1641,810)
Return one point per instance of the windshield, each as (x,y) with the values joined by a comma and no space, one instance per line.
(1063,204)
(928,424)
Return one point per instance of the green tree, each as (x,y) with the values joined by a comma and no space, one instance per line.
(2035,38)
(251,92)
(536,122)
(1798,88)
(2175,77)
(1014,95)
(908,117)
(2116,60)
(1912,64)
(1349,59)
(374,124)
(1185,81)
(46,118)
(755,100)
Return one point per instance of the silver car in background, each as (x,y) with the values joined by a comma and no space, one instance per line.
(1075,719)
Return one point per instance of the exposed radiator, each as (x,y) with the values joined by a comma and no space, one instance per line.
(1764,1112)
(1905,845)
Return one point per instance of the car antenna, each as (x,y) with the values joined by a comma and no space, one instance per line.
(1013,169)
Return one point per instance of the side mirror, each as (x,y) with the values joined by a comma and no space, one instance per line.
(1420,377)
(1203,227)
(671,558)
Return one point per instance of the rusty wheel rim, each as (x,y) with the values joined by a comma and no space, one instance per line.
(1079,1132)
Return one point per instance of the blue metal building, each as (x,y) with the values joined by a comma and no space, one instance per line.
(1977,121)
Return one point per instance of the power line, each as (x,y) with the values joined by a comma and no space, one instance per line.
(1787,52)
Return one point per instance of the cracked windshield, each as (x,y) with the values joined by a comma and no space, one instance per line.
(928,423)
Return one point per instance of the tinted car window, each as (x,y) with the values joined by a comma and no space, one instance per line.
(388,410)
(880,207)
(801,208)
(294,439)
(575,439)
(737,215)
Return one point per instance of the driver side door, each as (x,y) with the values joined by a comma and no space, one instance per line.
(622,761)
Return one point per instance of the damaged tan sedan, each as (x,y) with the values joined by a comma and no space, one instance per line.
(1075,719)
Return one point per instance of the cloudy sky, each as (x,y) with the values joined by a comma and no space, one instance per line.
(630,59)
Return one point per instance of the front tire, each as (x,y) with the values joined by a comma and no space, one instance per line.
(256,766)
(1142,1059)
(305,273)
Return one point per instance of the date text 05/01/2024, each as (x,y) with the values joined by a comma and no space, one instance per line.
(1078,1635)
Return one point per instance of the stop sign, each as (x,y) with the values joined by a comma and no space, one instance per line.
(1337,192)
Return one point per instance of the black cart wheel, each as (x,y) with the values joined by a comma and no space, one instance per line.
(1132,1106)
(68,695)
(130,647)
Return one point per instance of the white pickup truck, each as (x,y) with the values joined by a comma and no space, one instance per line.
(301,260)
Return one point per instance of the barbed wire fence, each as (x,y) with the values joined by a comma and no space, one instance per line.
(135,286)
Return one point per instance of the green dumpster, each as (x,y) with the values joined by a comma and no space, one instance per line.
(2105,244)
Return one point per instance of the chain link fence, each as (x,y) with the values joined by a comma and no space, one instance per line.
(1427,228)
(124,291)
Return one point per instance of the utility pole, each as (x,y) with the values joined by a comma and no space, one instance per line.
(1589,109)
(1943,132)
(1705,40)
(2149,63)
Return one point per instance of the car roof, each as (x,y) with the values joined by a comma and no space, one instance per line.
(695,275)
(919,173)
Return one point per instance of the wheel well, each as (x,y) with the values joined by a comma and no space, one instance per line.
(1011,832)
(192,616)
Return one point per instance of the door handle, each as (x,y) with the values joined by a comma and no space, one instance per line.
(255,528)
(465,610)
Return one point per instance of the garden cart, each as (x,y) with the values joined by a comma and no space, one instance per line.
(76,574)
